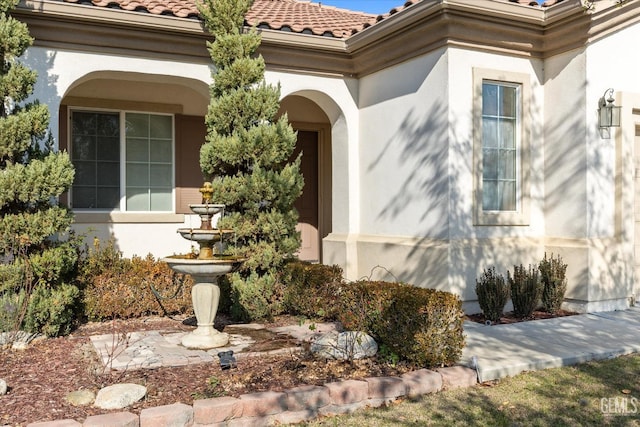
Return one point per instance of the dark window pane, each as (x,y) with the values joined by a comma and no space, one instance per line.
(83,147)
(83,124)
(108,125)
(108,148)
(85,173)
(108,198)
(84,197)
(108,174)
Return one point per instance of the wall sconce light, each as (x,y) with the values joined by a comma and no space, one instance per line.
(608,113)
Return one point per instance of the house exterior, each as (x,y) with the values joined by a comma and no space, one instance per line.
(439,139)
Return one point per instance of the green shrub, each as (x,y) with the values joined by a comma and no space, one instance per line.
(361,304)
(117,287)
(248,157)
(554,282)
(52,311)
(525,290)
(255,297)
(311,290)
(493,294)
(36,254)
(30,283)
(421,326)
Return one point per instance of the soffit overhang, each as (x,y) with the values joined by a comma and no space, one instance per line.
(60,25)
(487,25)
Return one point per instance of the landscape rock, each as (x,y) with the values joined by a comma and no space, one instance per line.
(119,396)
(348,345)
(3,387)
(18,340)
(80,397)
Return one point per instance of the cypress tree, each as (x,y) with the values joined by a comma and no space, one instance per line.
(35,259)
(246,156)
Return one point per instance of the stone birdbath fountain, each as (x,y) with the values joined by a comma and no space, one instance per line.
(205,269)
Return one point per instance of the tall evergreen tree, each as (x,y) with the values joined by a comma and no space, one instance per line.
(34,259)
(247,157)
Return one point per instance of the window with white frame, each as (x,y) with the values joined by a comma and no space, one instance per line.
(123,161)
(501,146)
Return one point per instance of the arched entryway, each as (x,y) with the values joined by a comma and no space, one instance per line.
(314,141)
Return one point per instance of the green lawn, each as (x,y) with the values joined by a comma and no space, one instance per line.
(570,396)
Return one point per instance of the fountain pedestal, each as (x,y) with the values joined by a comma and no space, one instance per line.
(205,336)
(205,270)
(205,296)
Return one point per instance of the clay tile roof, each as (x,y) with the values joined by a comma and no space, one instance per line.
(299,16)
(307,17)
(546,3)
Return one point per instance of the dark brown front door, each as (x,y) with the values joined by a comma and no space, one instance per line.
(307,203)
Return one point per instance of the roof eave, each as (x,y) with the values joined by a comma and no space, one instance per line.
(88,28)
(429,25)
(306,53)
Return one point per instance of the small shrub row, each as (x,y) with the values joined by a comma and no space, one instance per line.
(311,289)
(493,294)
(117,287)
(544,284)
(525,290)
(421,326)
(554,282)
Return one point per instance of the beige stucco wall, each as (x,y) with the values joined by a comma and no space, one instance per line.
(402,163)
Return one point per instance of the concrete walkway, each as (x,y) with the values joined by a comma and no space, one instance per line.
(506,350)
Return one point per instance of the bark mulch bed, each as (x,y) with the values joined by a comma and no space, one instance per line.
(509,317)
(40,376)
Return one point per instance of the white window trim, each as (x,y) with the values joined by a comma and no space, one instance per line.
(121,212)
(521,216)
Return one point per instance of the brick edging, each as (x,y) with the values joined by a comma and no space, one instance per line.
(299,404)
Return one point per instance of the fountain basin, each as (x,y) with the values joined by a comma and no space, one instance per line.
(203,267)
(204,235)
(205,296)
(206,208)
